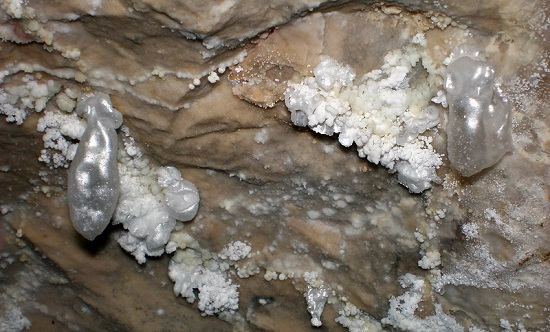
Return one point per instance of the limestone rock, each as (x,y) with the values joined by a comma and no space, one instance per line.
(200,86)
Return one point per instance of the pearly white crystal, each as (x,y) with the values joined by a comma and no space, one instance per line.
(93,185)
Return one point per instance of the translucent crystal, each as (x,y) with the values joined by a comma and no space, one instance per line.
(479,126)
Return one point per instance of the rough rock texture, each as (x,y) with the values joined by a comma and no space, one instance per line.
(302,202)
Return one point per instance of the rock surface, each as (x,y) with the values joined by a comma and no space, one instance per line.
(200,88)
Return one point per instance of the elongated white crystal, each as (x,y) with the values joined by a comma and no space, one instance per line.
(93,184)
(316,299)
(479,127)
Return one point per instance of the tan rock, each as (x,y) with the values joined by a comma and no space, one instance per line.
(302,202)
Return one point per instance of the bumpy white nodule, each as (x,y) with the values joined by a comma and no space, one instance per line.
(479,127)
(384,113)
(182,197)
(93,185)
